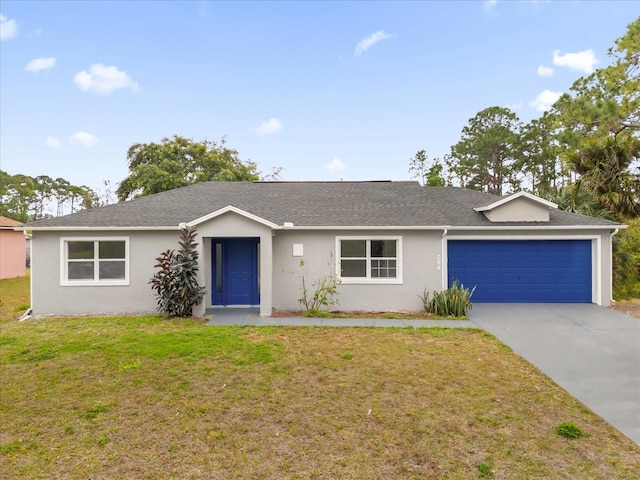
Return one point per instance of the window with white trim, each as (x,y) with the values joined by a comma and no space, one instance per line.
(88,261)
(369,259)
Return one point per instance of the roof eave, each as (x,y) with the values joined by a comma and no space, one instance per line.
(349,227)
(456,227)
(67,228)
(541,227)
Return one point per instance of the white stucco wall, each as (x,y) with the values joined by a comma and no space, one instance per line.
(49,297)
(423,260)
(519,210)
(420,250)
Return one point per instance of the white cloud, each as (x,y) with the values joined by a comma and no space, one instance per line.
(102,79)
(8,28)
(545,71)
(41,63)
(583,61)
(269,127)
(83,139)
(545,100)
(335,165)
(370,41)
(53,142)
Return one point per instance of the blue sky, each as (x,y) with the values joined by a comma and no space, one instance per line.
(326,90)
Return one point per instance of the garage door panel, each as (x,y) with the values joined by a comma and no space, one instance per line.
(523,270)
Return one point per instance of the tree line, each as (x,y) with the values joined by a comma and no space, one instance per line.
(26,198)
(582,154)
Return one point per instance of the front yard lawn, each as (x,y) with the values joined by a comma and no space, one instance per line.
(14,297)
(148,398)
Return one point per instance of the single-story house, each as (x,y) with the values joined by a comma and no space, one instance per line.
(13,259)
(386,241)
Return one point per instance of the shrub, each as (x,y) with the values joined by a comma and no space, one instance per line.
(176,283)
(626,262)
(324,294)
(453,302)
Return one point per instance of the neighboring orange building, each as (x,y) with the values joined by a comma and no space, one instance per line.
(13,257)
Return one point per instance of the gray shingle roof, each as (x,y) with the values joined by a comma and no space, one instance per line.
(306,204)
(459,204)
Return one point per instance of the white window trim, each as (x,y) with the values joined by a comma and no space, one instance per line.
(65,282)
(368,280)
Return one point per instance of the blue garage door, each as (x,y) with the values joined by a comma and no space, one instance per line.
(523,271)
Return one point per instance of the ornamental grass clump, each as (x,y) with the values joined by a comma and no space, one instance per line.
(452,302)
(176,282)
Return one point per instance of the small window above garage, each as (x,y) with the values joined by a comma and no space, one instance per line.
(519,207)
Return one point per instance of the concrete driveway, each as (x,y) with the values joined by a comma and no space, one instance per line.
(590,351)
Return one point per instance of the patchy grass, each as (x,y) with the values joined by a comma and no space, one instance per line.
(148,398)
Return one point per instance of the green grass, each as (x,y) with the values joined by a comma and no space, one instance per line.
(145,397)
(150,398)
(14,296)
(569,430)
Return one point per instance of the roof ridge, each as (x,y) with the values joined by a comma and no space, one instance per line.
(331,181)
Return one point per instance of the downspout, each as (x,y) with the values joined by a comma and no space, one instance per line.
(441,261)
(613,234)
(29,311)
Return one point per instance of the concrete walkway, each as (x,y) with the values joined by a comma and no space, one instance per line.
(591,351)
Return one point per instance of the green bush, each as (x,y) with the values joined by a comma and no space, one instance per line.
(453,302)
(626,262)
(568,430)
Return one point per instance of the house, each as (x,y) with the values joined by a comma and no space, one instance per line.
(13,260)
(386,241)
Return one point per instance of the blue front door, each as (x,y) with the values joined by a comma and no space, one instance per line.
(235,271)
